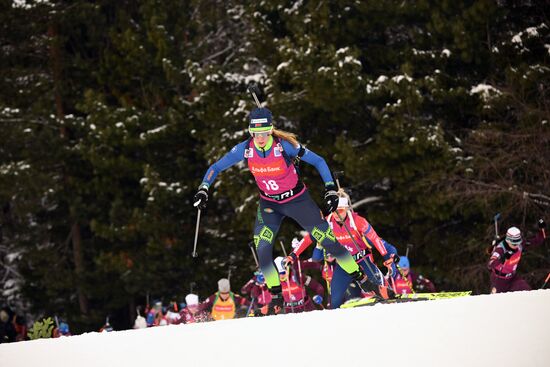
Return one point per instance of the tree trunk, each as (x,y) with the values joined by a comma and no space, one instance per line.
(132,311)
(79,267)
(57,75)
(56,65)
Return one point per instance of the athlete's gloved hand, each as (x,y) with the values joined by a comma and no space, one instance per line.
(331,198)
(496,265)
(389,260)
(290,259)
(396,258)
(542,224)
(201,198)
(388,264)
(317,299)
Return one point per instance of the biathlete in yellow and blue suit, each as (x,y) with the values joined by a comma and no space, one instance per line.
(270,155)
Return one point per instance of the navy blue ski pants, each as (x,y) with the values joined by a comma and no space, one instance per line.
(308,215)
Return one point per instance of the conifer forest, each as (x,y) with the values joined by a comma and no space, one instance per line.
(436,112)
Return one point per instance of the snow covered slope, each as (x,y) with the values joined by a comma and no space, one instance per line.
(497,330)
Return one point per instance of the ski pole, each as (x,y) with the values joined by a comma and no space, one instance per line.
(231,268)
(326,268)
(288,289)
(300,279)
(409,246)
(393,283)
(250,307)
(337,175)
(194,254)
(496,218)
(251,245)
(288,277)
(283,248)
(254,90)
(546,281)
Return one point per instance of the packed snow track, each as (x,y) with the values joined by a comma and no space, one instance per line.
(501,330)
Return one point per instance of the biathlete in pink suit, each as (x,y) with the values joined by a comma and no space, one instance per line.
(505,259)
(360,248)
(270,155)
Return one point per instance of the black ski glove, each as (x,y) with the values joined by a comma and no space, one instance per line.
(331,198)
(201,198)
(542,224)
(396,259)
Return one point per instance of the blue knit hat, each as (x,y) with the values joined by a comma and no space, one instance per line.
(404,262)
(261,119)
(64,328)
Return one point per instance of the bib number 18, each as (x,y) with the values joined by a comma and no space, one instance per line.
(271,185)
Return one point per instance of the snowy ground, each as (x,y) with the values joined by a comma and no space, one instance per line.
(497,330)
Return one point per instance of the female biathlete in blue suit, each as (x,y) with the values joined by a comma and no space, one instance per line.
(270,154)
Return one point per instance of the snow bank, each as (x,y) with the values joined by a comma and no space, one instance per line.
(492,330)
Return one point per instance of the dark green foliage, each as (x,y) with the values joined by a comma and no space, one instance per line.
(111,112)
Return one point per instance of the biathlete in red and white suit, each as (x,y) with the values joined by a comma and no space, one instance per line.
(270,154)
(294,288)
(505,259)
(360,248)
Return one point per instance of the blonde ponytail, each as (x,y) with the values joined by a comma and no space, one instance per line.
(285,135)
